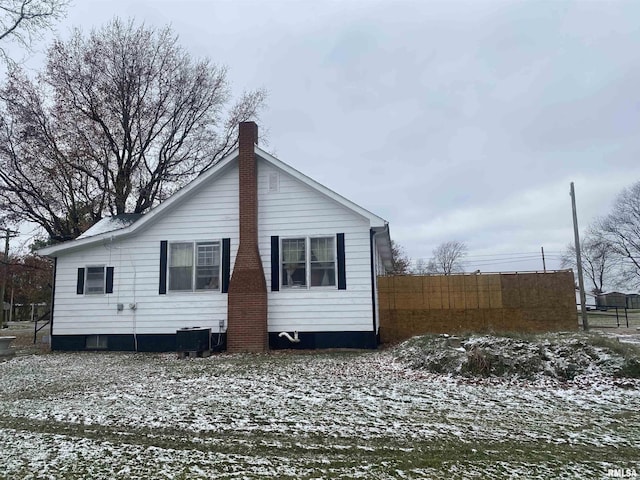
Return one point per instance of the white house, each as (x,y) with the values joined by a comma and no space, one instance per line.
(250,249)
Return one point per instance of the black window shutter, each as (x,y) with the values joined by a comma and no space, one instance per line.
(109,283)
(226,264)
(275,263)
(342,274)
(80,284)
(163,268)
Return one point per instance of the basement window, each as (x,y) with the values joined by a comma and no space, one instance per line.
(308,261)
(96,342)
(194,266)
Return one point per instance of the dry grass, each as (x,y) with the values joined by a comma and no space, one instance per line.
(23,344)
(322,415)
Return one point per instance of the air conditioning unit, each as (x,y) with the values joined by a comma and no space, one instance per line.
(194,341)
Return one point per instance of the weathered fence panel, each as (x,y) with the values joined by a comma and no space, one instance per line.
(501,302)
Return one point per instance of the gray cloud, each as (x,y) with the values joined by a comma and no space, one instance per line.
(452,119)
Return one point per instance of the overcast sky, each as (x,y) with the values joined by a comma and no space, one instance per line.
(452,120)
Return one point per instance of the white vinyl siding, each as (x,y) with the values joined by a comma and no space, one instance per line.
(210,213)
(299,211)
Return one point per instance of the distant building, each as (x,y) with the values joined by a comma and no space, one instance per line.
(612,299)
(633,300)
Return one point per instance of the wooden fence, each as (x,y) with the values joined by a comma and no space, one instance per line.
(501,302)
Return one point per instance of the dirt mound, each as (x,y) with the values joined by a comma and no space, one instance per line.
(560,356)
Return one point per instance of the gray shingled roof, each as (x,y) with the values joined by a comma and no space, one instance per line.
(110,224)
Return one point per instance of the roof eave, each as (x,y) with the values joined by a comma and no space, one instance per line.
(78,244)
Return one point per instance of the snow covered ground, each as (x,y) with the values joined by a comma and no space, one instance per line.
(319,415)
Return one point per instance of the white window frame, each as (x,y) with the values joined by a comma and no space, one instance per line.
(86,280)
(194,265)
(307,263)
(196,253)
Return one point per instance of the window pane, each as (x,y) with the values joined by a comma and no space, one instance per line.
(208,278)
(208,266)
(294,273)
(180,278)
(323,267)
(322,249)
(208,254)
(181,255)
(293,250)
(95,280)
(181,266)
(323,274)
(205,255)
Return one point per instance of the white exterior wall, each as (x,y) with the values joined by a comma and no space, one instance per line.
(210,214)
(296,210)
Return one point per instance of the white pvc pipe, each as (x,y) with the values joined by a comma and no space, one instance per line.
(293,339)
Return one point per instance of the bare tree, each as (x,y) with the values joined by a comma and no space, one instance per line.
(599,262)
(23,21)
(400,259)
(421,267)
(447,258)
(621,230)
(29,278)
(118,121)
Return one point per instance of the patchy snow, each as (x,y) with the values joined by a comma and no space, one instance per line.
(626,337)
(322,415)
(561,356)
(110,224)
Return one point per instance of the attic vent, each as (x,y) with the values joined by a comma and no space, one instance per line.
(274,182)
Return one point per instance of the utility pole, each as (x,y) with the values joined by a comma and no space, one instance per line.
(5,271)
(583,300)
(544,265)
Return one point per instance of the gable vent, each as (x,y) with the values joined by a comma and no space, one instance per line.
(274,182)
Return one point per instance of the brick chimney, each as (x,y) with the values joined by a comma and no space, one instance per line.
(247,299)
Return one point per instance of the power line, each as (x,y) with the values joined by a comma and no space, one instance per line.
(521,257)
(503,259)
(552,252)
(497,260)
